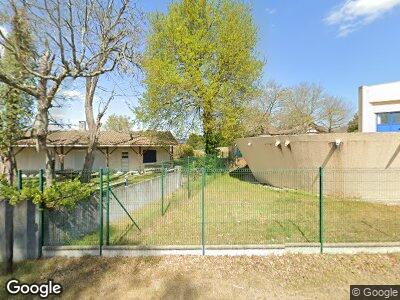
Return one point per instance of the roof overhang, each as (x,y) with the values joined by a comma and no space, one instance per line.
(99,146)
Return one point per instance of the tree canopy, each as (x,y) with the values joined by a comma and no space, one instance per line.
(15,105)
(118,123)
(201,67)
(294,109)
(352,126)
(196,141)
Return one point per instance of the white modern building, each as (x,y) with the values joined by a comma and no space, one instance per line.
(379,108)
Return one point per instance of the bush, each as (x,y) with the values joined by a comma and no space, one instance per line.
(59,195)
(184,150)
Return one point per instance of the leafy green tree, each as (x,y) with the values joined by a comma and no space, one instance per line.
(196,141)
(201,67)
(184,150)
(15,112)
(352,126)
(118,123)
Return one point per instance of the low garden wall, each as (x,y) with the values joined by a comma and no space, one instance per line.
(64,227)
(26,230)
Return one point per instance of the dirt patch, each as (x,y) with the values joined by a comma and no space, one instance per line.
(179,277)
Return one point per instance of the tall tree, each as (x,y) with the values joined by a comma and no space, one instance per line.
(295,109)
(335,113)
(69,40)
(119,38)
(15,111)
(308,105)
(118,123)
(196,141)
(263,109)
(201,67)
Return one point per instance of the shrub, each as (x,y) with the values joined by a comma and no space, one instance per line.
(59,195)
(184,150)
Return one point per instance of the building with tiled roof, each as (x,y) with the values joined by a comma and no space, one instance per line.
(124,151)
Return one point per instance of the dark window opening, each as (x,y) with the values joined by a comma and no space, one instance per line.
(149,156)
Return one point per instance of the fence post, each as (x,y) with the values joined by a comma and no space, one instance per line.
(108,209)
(203,176)
(41,215)
(101,212)
(162,189)
(321,209)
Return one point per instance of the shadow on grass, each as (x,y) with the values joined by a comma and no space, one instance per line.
(179,287)
(244,174)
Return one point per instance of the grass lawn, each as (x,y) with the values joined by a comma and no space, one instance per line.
(237,212)
(116,179)
(178,277)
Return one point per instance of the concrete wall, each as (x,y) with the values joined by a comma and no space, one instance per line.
(29,159)
(365,165)
(65,227)
(377,99)
(26,233)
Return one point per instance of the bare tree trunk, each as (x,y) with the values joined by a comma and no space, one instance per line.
(3,165)
(89,157)
(93,127)
(210,138)
(41,131)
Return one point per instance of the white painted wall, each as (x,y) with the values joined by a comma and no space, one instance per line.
(377,99)
(29,159)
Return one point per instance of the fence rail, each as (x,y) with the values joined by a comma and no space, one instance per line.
(198,207)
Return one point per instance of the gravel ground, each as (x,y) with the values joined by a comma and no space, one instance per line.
(179,277)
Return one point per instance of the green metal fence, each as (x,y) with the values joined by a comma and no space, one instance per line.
(199,207)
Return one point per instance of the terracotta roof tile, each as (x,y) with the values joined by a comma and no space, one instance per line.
(106,138)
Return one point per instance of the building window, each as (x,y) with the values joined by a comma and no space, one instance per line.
(125,161)
(149,156)
(396,117)
(388,122)
(382,118)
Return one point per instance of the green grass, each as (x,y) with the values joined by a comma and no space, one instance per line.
(241,213)
(237,212)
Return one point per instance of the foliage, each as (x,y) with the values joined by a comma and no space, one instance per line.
(60,194)
(352,126)
(118,123)
(15,106)
(196,141)
(184,150)
(65,194)
(201,67)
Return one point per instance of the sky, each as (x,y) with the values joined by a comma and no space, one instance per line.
(337,44)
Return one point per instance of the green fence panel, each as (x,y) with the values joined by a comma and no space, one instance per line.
(100,212)
(210,207)
(361,206)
